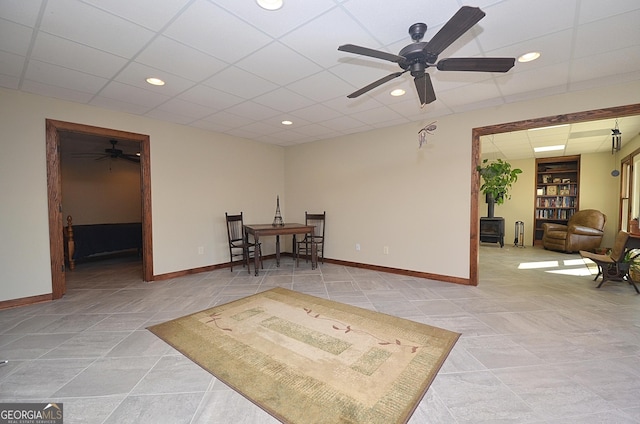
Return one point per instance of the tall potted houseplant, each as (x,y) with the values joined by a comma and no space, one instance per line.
(497,178)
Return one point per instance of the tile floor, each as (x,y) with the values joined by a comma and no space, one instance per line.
(540,344)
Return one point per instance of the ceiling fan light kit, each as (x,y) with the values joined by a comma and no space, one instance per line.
(418,56)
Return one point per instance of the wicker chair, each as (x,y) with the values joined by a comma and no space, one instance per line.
(612,266)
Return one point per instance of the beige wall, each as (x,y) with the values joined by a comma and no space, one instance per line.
(195,177)
(101,192)
(378,189)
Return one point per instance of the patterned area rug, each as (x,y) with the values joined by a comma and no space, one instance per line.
(304,359)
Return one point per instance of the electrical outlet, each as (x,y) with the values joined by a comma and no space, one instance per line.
(200,250)
(385,250)
(358,247)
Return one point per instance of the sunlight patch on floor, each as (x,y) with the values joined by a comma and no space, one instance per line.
(578,267)
(573,271)
(535,265)
(573,262)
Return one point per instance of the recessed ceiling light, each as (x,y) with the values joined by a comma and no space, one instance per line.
(548,148)
(528,57)
(287,122)
(270,4)
(398,92)
(155,81)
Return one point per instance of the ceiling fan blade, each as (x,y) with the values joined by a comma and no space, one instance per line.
(351,48)
(131,158)
(477,64)
(425,89)
(375,84)
(459,23)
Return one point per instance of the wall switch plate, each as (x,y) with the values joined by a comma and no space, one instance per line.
(358,247)
(386,250)
(200,250)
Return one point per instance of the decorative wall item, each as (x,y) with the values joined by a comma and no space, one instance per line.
(616,139)
(616,145)
(422,134)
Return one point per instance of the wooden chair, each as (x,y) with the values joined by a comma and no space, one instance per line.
(612,267)
(303,247)
(239,244)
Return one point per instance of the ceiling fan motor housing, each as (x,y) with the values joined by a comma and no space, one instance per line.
(417,31)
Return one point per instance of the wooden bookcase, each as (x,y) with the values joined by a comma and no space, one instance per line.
(557,194)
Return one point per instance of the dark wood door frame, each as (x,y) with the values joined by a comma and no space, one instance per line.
(54,192)
(570,118)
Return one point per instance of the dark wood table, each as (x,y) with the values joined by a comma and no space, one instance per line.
(262,230)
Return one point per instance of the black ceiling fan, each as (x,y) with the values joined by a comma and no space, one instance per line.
(112,153)
(420,55)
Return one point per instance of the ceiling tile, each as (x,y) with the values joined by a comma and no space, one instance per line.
(169,116)
(276,23)
(317,112)
(374,116)
(14,38)
(606,65)
(11,64)
(283,100)
(55,91)
(135,74)
(143,12)
(113,104)
(20,11)
(240,83)
(258,111)
(534,79)
(63,77)
(594,10)
(58,51)
(589,39)
(523,20)
(133,95)
(227,119)
(210,97)
(178,59)
(398,16)
(217,32)
(184,108)
(94,27)
(321,86)
(324,49)
(295,66)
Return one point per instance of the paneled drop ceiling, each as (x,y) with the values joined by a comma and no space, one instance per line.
(234,68)
(581,138)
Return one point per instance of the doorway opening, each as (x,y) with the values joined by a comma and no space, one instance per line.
(54,130)
(592,115)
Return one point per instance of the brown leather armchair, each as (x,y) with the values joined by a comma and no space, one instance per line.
(583,231)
